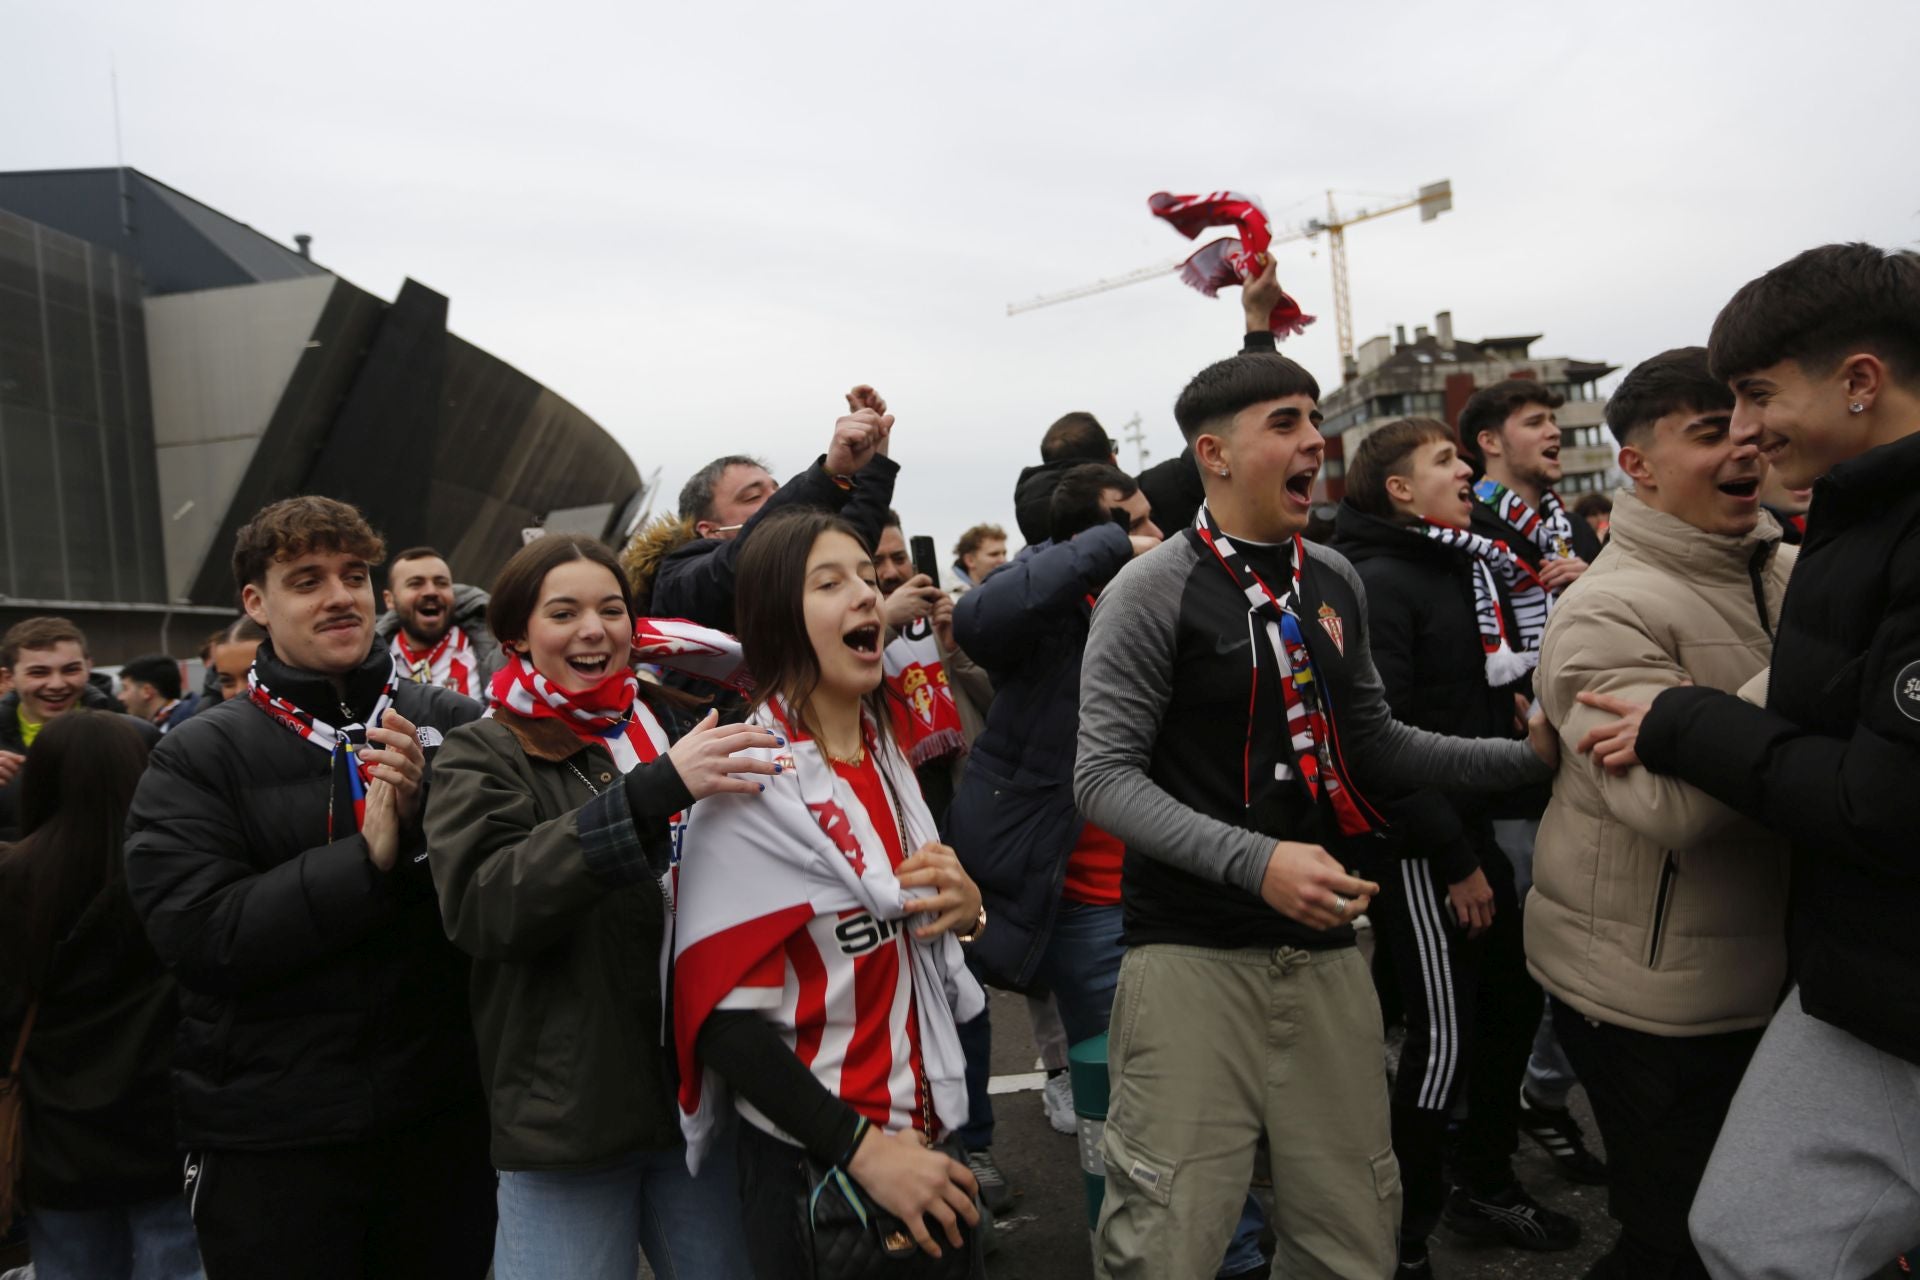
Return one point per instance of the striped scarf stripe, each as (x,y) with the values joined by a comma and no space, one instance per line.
(611,713)
(1550,528)
(1308,730)
(1495,565)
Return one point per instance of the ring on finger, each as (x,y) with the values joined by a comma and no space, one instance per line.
(1340,906)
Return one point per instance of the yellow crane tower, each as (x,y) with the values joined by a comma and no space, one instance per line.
(1432,200)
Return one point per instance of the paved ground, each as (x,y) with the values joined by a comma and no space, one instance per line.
(1044,1237)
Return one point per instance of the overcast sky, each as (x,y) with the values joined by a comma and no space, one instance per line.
(701,223)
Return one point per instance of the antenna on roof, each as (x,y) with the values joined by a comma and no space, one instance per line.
(119,153)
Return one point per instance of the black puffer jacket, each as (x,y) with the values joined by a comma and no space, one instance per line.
(1426,643)
(91,696)
(1833,757)
(320,1000)
(99,1119)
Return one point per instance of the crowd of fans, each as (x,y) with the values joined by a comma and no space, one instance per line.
(646,901)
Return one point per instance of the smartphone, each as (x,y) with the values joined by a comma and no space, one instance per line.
(925,559)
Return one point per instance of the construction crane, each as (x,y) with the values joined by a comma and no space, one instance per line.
(1432,200)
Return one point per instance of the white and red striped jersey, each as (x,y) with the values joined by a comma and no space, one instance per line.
(449,664)
(787,904)
(840,991)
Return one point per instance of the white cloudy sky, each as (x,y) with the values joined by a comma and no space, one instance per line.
(701,222)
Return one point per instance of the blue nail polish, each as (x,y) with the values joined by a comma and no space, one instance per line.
(776,766)
(763,786)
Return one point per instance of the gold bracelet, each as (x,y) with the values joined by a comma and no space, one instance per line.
(979,926)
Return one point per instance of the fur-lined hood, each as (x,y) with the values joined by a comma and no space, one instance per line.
(646,550)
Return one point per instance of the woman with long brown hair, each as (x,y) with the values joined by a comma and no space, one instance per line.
(802,981)
(102,1176)
(550,828)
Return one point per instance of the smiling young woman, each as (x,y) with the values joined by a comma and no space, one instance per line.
(793,927)
(552,830)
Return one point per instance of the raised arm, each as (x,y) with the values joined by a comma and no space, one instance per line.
(998,621)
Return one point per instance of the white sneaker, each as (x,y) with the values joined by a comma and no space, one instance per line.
(1057,1099)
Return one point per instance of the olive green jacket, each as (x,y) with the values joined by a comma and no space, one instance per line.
(547,864)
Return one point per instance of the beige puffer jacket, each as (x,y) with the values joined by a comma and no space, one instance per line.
(1654,906)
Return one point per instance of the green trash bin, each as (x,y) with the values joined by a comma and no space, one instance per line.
(1087,1068)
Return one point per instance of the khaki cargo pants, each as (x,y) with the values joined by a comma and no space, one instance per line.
(1209,1049)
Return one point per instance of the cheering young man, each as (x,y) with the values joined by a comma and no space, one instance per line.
(1513,428)
(1658,915)
(325,1076)
(1231,723)
(1814,1173)
(1455,620)
(436,629)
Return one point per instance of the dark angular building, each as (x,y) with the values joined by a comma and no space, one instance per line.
(165,371)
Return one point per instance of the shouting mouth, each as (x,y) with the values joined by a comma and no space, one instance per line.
(590,665)
(1300,486)
(864,640)
(1746,490)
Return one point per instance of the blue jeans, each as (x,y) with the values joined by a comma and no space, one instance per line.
(1081,966)
(150,1241)
(590,1225)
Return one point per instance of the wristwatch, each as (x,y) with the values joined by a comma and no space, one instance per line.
(979,926)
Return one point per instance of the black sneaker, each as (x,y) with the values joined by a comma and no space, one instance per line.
(1415,1263)
(994,1191)
(1558,1134)
(1509,1217)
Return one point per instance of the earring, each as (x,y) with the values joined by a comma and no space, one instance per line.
(1223,471)
(1856,408)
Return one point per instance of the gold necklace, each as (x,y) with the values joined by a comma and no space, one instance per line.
(855,761)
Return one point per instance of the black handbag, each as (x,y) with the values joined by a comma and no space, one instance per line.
(855,1239)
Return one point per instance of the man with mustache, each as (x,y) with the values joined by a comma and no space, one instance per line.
(436,629)
(325,1077)
(1657,919)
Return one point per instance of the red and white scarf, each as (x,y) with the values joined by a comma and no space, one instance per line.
(924,714)
(702,652)
(611,713)
(1507,661)
(1550,528)
(448,665)
(756,869)
(342,745)
(1227,262)
(1309,727)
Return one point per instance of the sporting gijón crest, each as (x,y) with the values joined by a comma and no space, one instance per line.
(1336,631)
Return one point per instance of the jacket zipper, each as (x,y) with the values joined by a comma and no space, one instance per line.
(1754,574)
(1661,902)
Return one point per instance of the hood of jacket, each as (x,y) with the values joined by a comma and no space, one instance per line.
(1671,544)
(647,549)
(1033,497)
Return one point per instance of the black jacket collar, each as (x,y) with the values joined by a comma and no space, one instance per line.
(1360,536)
(1889,471)
(315,693)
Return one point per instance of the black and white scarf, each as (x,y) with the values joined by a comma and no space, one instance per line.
(1550,528)
(1509,656)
